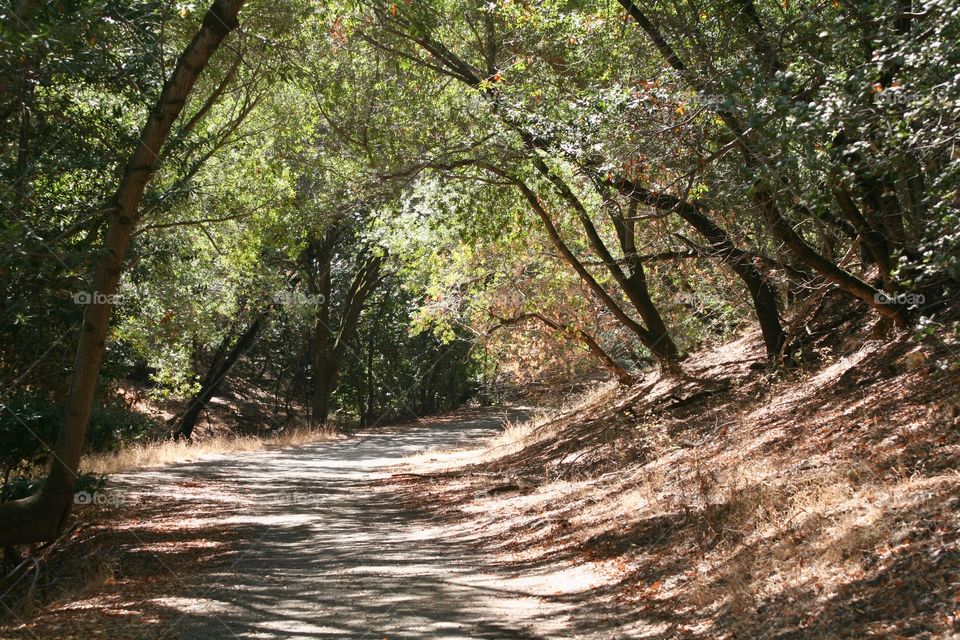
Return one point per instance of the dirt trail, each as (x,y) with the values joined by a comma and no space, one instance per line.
(327,553)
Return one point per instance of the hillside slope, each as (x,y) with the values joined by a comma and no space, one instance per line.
(816,502)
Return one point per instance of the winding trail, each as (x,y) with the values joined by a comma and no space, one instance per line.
(326,553)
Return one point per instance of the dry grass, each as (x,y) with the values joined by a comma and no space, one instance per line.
(542,425)
(158,454)
(515,436)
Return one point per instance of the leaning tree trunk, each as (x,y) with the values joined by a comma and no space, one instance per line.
(645,337)
(762,292)
(634,285)
(215,376)
(42,516)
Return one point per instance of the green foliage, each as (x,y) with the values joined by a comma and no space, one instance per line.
(406,129)
(394,372)
(28,429)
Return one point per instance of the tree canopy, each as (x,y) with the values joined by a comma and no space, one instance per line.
(375,211)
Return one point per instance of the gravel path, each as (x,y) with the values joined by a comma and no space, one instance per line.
(327,554)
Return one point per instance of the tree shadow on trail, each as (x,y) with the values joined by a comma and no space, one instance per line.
(315,553)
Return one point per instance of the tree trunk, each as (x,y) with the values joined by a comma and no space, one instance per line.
(621,374)
(320,407)
(762,293)
(42,516)
(328,362)
(215,376)
(784,231)
(634,286)
(369,382)
(874,241)
(638,329)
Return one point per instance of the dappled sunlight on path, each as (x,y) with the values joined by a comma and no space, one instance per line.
(323,553)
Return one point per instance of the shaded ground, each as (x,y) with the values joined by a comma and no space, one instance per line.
(295,543)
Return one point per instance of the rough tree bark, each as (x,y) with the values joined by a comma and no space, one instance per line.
(42,516)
